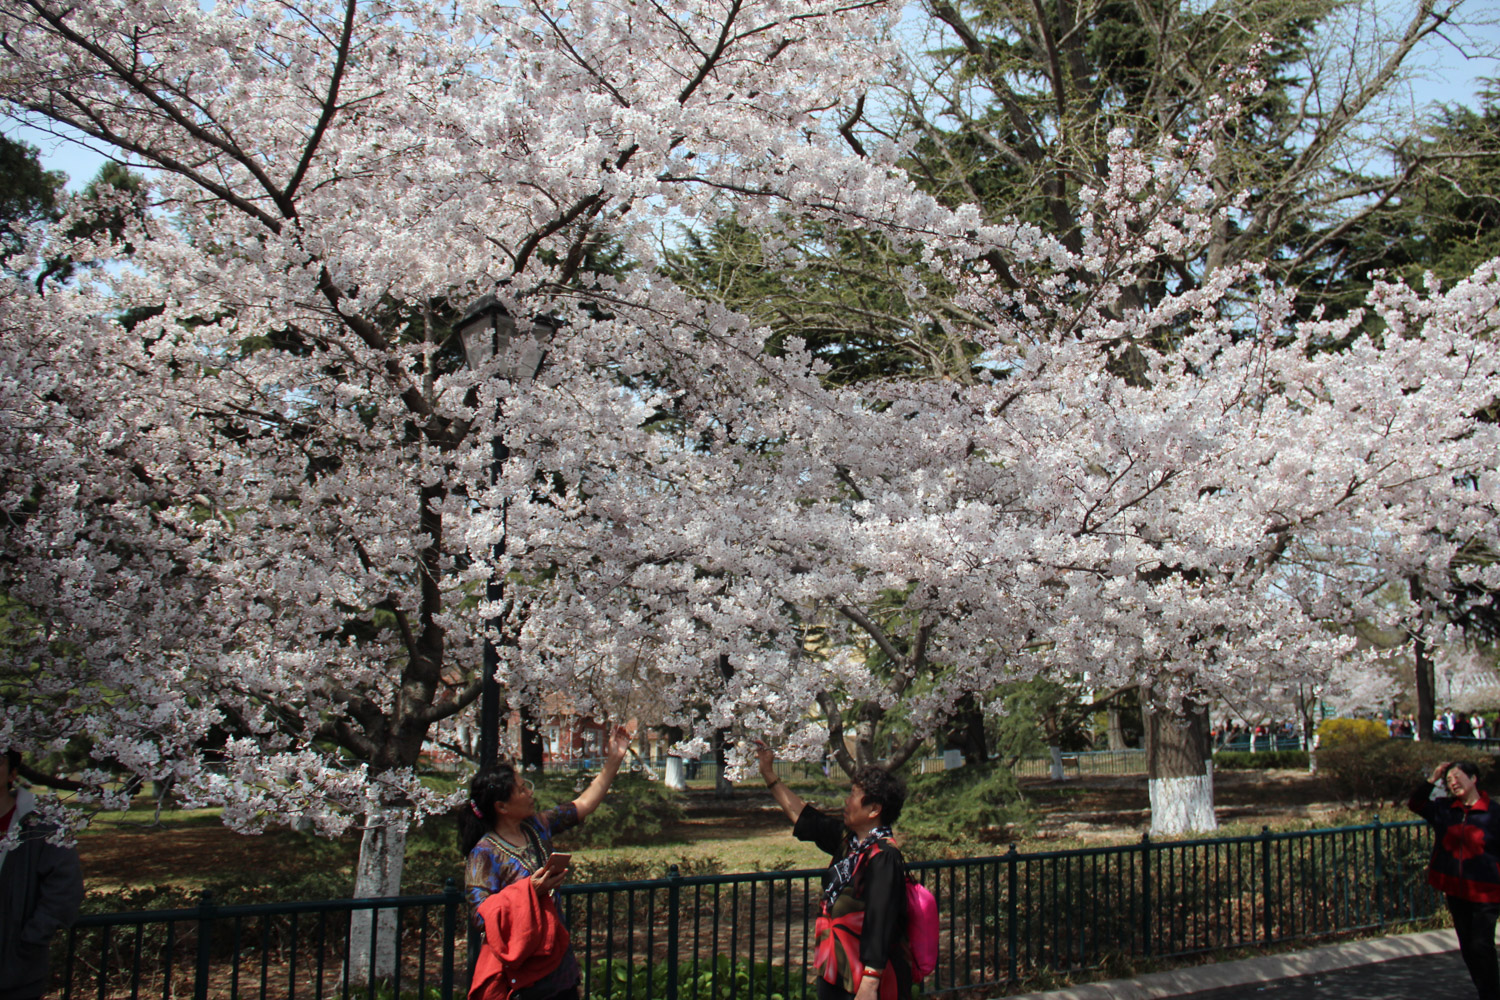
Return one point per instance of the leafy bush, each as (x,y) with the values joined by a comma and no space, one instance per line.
(719,979)
(1386,770)
(1350,732)
(958,813)
(591,868)
(632,813)
(1243,760)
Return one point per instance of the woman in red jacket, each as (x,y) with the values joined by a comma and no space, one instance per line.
(1465,865)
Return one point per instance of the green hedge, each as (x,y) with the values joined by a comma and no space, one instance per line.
(1243,760)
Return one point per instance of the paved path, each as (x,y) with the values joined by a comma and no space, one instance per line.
(1390,968)
(1398,979)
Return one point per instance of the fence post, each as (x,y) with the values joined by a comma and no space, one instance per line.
(674,902)
(1379,875)
(1265,882)
(206,911)
(1013,888)
(1146,895)
(450,931)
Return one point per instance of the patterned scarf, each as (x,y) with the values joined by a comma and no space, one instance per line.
(843,869)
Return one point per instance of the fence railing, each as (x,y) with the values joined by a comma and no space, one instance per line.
(725,937)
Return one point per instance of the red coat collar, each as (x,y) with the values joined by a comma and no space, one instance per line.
(1482,805)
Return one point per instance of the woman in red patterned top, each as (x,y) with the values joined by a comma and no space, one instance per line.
(1465,865)
(504,839)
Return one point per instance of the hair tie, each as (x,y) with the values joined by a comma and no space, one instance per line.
(475,808)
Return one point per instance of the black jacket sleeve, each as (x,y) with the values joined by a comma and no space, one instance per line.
(885,908)
(59,892)
(1421,800)
(824,831)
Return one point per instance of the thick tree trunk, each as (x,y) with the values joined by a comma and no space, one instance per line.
(1179,768)
(1426,682)
(382,855)
(967,731)
(1116,729)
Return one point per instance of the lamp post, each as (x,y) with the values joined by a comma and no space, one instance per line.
(488,330)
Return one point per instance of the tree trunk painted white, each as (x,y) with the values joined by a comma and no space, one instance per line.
(1179,767)
(382,855)
(676,774)
(1057,768)
(1182,805)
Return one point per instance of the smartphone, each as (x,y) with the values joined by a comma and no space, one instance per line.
(558,861)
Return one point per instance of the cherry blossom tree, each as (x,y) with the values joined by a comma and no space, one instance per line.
(250,478)
(1185,495)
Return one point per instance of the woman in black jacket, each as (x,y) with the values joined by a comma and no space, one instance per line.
(862,948)
(41,887)
(1465,865)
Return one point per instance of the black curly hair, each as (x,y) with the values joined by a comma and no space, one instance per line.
(488,788)
(881,788)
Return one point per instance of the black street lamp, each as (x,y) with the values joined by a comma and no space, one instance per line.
(488,330)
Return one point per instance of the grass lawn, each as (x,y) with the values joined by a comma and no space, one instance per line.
(131,862)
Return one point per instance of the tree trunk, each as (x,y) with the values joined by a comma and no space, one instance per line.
(531,740)
(1116,729)
(1179,768)
(676,766)
(1426,682)
(382,855)
(967,731)
(864,740)
(723,787)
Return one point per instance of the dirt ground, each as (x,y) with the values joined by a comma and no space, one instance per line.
(1106,808)
(743,833)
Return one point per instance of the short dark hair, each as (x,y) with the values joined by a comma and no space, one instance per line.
(1467,767)
(881,788)
(13,757)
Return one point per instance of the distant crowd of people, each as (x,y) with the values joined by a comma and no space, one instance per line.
(1459,725)
(1229,733)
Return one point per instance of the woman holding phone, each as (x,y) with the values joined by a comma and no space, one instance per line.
(1465,864)
(505,839)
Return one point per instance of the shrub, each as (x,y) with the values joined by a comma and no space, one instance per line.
(1243,760)
(1358,732)
(632,813)
(718,979)
(960,812)
(1387,770)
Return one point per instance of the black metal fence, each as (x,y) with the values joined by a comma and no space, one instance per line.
(725,937)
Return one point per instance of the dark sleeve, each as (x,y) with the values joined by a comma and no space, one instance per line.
(59,894)
(885,908)
(558,819)
(1421,801)
(824,831)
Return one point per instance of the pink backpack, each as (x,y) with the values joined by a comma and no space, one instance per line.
(921,928)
